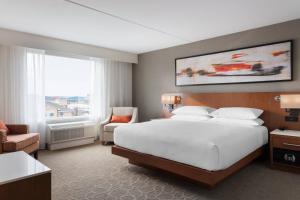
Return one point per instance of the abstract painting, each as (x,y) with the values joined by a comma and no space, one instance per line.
(263,63)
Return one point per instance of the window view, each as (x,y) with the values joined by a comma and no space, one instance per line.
(67,86)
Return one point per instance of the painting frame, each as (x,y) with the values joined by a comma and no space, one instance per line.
(291,60)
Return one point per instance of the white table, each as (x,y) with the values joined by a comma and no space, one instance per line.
(23,177)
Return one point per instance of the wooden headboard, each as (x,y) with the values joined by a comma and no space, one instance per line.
(273,115)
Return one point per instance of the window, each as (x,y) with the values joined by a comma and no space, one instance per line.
(67,86)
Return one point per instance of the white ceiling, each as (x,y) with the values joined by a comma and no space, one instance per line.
(139,26)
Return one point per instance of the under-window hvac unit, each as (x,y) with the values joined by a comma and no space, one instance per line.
(64,135)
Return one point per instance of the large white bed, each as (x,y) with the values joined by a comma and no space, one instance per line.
(204,144)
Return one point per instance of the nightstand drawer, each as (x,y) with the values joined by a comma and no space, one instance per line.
(284,156)
(292,143)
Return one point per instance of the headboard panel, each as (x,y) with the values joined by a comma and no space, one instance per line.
(273,115)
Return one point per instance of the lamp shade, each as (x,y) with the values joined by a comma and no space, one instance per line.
(170,99)
(290,101)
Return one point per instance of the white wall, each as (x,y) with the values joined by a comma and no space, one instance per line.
(9,37)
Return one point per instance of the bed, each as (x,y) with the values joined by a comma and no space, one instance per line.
(205,151)
(205,144)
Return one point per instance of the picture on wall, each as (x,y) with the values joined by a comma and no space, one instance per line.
(270,62)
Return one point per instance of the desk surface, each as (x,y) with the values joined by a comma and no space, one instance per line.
(19,165)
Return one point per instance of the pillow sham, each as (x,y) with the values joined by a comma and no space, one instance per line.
(193,110)
(237,113)
(254,122)
(190,117)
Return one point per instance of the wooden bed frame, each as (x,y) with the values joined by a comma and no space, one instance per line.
(208,178)
(273,117)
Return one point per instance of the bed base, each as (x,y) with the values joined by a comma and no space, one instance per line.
(208,178)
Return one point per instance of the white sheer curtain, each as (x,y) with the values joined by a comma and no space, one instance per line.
(35,93)
(112,86)
(22,98)
(12,98)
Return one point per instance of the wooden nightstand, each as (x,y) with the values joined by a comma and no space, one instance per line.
(285,150)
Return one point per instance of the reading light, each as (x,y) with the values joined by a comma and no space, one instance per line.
(291,103)
(169,100)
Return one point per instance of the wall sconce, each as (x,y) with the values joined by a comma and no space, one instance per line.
(291,103)
(170,100)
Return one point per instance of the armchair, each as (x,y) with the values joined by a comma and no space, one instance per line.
(107,127)
(15,137)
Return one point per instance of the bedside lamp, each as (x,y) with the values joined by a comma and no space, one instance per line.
(291,102)
(170,100)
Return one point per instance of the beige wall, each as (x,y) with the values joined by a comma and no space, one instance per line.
(155,73)
(9,37)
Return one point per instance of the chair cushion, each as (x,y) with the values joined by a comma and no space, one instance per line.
(122,111)
(3,126)
(120,119)
(111,126)
(19,142)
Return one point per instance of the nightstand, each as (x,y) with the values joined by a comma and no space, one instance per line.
(285,150)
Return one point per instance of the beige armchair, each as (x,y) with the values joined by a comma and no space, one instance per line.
(107,128)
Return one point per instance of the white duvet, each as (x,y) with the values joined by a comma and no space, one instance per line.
(208,145)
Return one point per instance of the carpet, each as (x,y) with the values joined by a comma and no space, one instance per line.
(92,173)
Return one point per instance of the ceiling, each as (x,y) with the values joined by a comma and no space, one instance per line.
(139,26)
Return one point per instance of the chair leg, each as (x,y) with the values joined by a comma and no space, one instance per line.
(36,155)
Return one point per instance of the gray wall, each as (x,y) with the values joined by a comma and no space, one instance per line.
(155,72)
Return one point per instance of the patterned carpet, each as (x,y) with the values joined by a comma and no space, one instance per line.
(92,173)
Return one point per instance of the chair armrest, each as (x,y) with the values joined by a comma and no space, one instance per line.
(17,129)
(3,138)
(103,123)
(3,135)
(134,118)
(106,121)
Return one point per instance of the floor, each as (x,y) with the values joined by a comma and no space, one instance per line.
(92,173)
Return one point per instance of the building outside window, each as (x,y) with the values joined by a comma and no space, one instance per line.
(67,86)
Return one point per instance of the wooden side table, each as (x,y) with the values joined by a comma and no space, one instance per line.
(23,177)
(285,150)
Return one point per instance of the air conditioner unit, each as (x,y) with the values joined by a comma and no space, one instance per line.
(64,135)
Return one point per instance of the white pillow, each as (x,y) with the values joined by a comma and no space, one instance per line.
(193,110)
(254,122)
(237,113)
(190,117)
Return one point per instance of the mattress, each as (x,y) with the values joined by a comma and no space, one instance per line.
(206,144)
